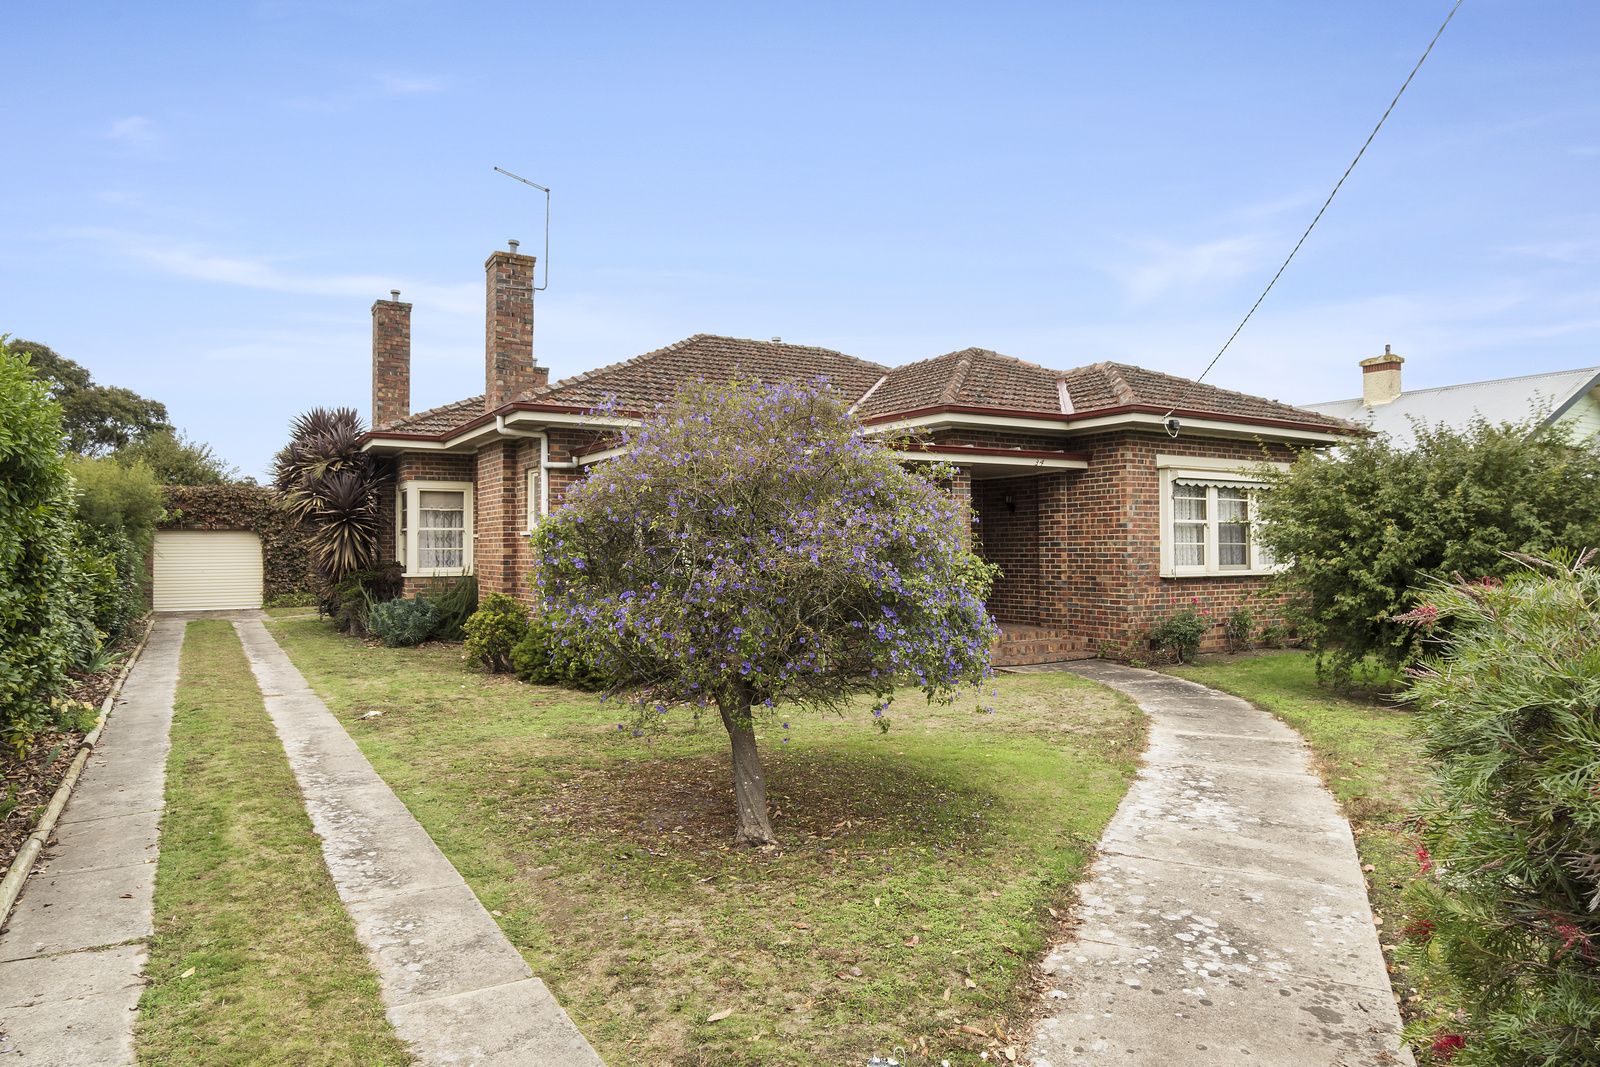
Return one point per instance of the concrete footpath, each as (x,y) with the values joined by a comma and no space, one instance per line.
(1226,920)
(72,958)
(454,987)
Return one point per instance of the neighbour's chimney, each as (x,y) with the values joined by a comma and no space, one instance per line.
(1380,378)
(391,360)
(509,370)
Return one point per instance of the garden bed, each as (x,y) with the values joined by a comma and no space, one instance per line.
(920,874)
(31,778)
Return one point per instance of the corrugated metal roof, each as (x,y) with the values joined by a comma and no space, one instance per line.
(1501,400)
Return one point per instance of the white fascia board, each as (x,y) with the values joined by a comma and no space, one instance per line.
(1208,463)
(1211,427)
(1063,463)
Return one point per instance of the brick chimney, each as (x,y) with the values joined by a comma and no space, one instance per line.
(1380,379)
(391,359)
(509,370)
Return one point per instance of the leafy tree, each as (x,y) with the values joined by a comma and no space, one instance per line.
(36,580)
(1505,938)
(116,506)
(176,460)
(96,419)
(331,486)
(753,546)
(1362,529)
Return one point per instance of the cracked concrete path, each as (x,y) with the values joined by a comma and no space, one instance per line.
(454,987)
(73,955)
(1226,920)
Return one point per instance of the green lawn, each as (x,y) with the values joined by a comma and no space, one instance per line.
(921,871)
(1365,751)
(254,960)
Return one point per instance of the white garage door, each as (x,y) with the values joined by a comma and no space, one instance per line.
(207,570)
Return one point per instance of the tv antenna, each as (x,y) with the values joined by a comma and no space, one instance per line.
(546,192)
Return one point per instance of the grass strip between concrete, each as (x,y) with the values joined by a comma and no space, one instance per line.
(254,960)
(921,873)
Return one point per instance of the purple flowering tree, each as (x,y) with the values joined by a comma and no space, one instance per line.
(752,548)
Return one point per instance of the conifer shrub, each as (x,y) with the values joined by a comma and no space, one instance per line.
(1505,935)
(550,653)
(403,622)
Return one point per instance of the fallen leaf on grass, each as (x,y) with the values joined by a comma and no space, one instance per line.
(718,1016)
(913,941)
(970,983)
(187,974)
(978,1031)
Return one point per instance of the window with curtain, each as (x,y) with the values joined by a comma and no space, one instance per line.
(441,529)
(1210,529)
(534,501)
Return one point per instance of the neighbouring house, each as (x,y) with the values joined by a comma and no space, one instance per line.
(1102,523)
(1569,396)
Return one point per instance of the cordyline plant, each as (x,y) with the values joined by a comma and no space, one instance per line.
(752,547)
(330,487)
(1506,931)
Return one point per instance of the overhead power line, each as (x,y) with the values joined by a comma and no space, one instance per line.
(1323,209)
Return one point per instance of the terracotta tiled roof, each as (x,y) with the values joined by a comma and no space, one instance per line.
(647,380)
(439,419)
(1168,390)
(972,377)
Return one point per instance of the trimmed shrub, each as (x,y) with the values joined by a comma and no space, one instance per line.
(35,541)
(1505,936)
(1179,635)
(494,630)
(399,623)
(550,654)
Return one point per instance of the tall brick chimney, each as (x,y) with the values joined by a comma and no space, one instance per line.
(1380,379)
(391,359)
(509,369)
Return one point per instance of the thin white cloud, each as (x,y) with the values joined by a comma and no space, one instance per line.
(188,261)
(135,131)
(410,85)
(1166,268)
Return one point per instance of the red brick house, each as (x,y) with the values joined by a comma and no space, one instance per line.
(1100,520)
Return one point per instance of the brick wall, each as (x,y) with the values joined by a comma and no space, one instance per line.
(1008,534)
(391,361)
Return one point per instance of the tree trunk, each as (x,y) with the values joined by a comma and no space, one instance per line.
(749,784)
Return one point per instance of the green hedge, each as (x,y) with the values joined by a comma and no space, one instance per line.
(36,624)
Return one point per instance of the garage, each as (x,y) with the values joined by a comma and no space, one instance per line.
(207,570)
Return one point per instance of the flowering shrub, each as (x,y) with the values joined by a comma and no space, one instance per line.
(1180,634)
(1506,934)
(753,546)
(493,630)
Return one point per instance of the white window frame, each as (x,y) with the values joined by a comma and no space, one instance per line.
(411,492)
(1215,473)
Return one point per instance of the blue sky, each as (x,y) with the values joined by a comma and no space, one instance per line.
(203,199)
